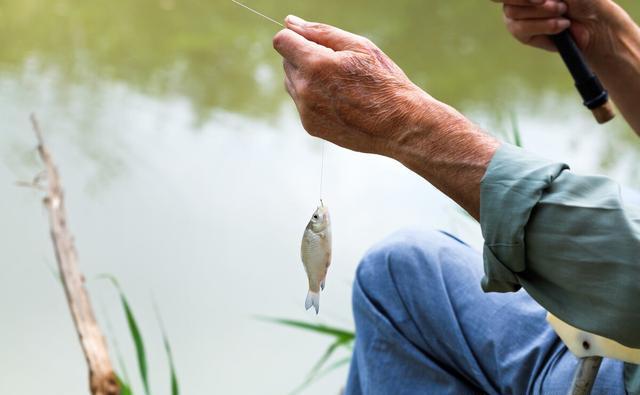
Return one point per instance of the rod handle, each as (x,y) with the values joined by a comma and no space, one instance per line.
(594,96)
(604,113)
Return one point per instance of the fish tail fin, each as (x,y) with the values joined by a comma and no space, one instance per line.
(313,299)
(322,283)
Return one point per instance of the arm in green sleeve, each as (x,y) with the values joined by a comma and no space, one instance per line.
(569,240)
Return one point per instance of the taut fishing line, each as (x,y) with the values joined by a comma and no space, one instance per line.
(258,13)
(321,172)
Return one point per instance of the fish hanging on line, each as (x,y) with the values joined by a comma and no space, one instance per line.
(315,252)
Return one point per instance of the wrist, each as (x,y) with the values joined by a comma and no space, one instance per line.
(429,123)
(618,37)
(447,150)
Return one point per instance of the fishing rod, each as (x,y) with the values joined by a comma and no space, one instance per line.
(594,96)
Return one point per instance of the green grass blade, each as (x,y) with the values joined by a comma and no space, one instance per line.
(125,389)
(515,129)
(343,338)
(139,343)
(313,374)
(135,334)
(318,328)
(336,365)
(325,357)
(115,346)
(175,389)
(55,273)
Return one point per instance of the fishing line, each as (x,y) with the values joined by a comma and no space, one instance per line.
(258,13)
(323,143)
(321,172)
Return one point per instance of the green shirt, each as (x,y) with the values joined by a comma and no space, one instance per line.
(569,240)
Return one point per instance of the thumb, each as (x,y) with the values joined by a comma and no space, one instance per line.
(326,35)
(581,35)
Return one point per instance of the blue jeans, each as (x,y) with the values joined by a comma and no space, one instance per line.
(424,326)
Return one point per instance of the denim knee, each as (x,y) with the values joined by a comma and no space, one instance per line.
(401,257)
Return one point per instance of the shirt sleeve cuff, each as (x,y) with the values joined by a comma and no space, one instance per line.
(510,189)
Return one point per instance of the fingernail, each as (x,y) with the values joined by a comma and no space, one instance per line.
(563,24)
(294,20)
(562,7)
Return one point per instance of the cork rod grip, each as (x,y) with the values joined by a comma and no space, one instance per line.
(594,96)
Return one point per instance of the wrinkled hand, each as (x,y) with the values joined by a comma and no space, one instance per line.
(349,92)
(593,23)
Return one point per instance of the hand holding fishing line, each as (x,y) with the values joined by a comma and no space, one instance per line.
(349,92)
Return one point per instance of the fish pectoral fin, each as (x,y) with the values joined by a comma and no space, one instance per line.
(313,299)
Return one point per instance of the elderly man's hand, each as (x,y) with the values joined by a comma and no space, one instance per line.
(606,34)
(593,23)
(349,92)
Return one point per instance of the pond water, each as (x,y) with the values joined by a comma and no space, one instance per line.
(189,177)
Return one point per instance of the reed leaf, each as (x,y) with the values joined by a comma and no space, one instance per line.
(135,333)
(125,389)
(318,328)
(515,129)
(175,389)
(336,365)
(316,371)
(343,338)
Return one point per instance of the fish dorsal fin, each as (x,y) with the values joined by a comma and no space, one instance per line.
(584,344)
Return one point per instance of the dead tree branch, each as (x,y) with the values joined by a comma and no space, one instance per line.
(102,379)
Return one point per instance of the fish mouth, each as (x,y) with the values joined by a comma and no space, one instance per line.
(322,209)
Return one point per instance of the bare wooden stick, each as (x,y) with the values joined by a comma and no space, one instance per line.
(102,380)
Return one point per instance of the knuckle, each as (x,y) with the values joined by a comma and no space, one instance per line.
(278,39)
(303,91)
(315,63)
(509,11)
(353,66)
(304,114)
(555,25)
(320,65)
(366,43)
(512,26)
(307,121)
(288,87)
(518,30)
(318,27)
(507,21)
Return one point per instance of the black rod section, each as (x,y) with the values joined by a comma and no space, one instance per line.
(593,93)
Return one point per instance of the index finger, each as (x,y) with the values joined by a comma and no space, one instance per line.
(295,48)
(325,35)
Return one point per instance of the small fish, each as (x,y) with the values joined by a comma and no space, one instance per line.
(316,254)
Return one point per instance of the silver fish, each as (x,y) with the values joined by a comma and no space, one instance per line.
(316,254)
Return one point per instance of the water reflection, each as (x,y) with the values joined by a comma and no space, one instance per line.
(217,54)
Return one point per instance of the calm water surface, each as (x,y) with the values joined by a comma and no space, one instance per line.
(189,177)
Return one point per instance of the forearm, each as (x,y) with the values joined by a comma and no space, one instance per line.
(618,65)
(568,239)
(449,151)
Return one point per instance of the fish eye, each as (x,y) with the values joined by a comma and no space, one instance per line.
(315,216)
